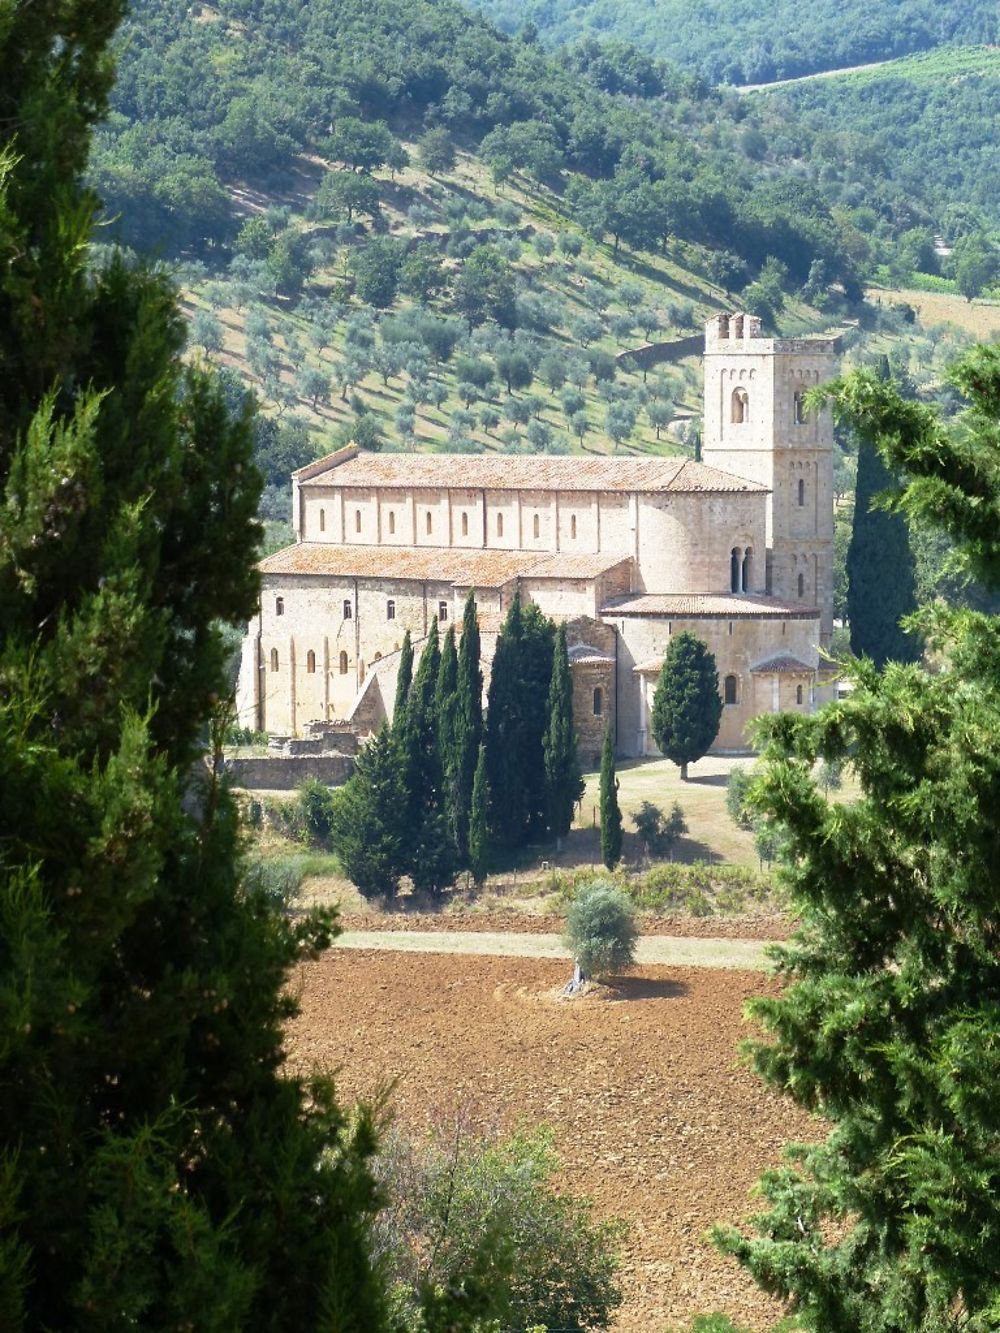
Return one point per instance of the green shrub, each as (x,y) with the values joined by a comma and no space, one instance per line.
(600,928)
(278,879)
(737,790)
(316,805)
(659,832)
(245,736)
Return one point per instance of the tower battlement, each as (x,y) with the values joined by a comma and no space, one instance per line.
(736,332)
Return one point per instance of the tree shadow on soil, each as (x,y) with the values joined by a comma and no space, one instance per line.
(709,780)
(646,988)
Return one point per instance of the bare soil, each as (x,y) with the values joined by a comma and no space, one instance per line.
(655,1117)
(747,926)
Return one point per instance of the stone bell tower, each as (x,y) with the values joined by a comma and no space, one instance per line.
(757,427)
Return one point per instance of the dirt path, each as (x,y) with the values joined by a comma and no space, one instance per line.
(747,955)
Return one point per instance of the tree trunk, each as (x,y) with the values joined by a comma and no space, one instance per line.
(684,772)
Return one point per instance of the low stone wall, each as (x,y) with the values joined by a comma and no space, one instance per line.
(657,354)
(285,773)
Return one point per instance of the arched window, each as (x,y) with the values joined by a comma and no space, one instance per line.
(798,694)
(499,525)
(734,570)
(598,702)
(465,525)
(802,492)
(322,520)
(802,585)
(740,406)
(274,659)
(730,687)
(343,663)
(746,572)
(310,663)
(442,612)
(279,606)
(799,407)
(536,527)
(430,523)
(357,520)
(348,609)
(572,527)
(390,609)
(392,524)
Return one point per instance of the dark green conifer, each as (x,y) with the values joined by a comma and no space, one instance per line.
(430,854)
(563,779)
(161,1168)
(468,723)
(368,824)
(404,680)
(881,579)
(687,706)
(887,1027)
(479,820)
(611,815)
(446,711)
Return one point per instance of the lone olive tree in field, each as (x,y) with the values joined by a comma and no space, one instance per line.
(687,706)
(600,931)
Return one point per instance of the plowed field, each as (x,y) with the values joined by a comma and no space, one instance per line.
(655,1118)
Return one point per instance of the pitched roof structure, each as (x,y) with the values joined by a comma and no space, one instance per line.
(434,564)
(722,606)
(356,468)
(783,664)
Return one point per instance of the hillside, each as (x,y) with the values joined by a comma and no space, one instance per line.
(930,121)
(736,41)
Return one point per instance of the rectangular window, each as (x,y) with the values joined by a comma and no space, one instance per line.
(348,610)
(442,612)
(390,610)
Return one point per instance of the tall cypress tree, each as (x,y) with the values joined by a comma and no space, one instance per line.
(404,681)
(160,1168)
(515,724)
(479,832)
(611,815)
(468,723)
(431,853)
(446,713)
(563,779)
(881,579)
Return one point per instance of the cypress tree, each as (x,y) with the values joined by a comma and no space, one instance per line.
(479,820)
(563,779)
(515,724)
(159,1167)
(611,815)
(430,856)
(368,824)
(881,579)
(404,681)
(446,713)
(687,706)
(468,723)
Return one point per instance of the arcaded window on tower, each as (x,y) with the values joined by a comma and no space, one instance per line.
(274,659)
(730,689)
(802,492)
(310,663)
(598,702)
(746,571)
(740,407)
(735,569)
(799,407)
(802,585)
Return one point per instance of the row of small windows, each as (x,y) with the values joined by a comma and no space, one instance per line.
(342,663)
(429,524)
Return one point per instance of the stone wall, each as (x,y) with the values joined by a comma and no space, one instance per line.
(285,773)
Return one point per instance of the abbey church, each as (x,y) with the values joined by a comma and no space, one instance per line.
(737,549)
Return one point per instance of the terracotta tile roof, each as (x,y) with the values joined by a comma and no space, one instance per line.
(725,606)
(464,568)
(584,654)
(520,473)
(783,664)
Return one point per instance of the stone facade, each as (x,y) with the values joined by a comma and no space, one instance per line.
(737,549)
